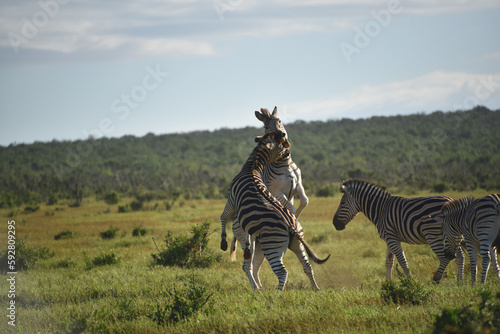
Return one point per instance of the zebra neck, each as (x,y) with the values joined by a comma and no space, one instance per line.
(372,203)
(282,163)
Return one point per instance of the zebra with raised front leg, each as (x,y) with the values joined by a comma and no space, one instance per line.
(284,180)
(397,219)
(478,221)
(262,216)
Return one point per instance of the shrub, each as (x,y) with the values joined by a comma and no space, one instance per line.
(185,251)
(112,198)
(31,209)
(185,302)
(139,231)
(25,257)
(65,235)
(101,260)
(123,209)
(408,290)
(136,205)
(109,234)
(481,318)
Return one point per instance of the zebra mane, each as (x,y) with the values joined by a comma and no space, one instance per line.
(356,183)
(457,205)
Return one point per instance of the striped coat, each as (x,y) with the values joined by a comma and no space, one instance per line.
(262,216)
(397,219)
(478,221)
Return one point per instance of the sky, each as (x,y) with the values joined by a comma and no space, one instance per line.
(70,69)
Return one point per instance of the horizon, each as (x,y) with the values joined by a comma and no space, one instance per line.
(419,113)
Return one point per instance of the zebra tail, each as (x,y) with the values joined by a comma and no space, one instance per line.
(232,253)
(312,254)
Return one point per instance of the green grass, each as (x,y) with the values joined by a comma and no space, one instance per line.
(63,294)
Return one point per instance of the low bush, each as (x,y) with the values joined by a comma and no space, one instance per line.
(65,235)
(25,257)
(109,234)
(187,251)
(185,302)
(484,317)
(102,260)
(407,291)
(139,231)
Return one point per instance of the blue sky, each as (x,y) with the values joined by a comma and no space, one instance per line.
(70,69)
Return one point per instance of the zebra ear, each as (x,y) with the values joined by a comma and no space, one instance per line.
(263,115)
(344,189)
(258,139)
(275,111)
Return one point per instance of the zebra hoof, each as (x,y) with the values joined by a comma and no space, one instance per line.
(223,245)
(247,254)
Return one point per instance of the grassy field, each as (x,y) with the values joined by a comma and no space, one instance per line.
(63,294)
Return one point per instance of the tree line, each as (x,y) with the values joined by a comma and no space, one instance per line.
(439,151)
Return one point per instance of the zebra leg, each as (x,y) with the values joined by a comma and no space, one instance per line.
(285,202)
(397,250)
(227,215)
(472,250)
(485,255)
(459,259)
(297,247)
(437,246)
(389,263)
(241,236)
(494,261)
(304,200)
(258,259)
(274,250)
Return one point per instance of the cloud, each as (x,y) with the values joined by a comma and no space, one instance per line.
(433,91)
(175,28)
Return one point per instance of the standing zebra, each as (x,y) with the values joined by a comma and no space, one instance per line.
(262,216)
(397,219)
(478,221)
(283,179)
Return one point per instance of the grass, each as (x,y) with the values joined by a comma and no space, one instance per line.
(64,294)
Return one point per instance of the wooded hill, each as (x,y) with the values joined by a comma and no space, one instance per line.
(439,151)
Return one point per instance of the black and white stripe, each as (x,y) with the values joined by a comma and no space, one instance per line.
(478,221)
(261,215)
(397,219)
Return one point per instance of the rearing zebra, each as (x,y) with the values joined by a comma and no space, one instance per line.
(479,223)
(262,216)
(397,219)
(283,179)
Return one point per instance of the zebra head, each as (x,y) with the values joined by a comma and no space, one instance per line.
(348,207)
(451,214)
(271,146)
(272,123)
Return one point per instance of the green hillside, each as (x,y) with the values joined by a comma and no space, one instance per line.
(438,152)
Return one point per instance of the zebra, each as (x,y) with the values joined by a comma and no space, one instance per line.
(262,216)
(283,179)
(478,221)
(397,219)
